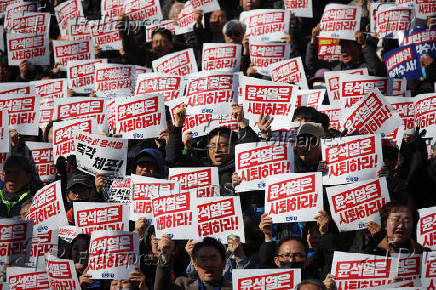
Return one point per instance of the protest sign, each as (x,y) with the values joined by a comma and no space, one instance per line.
(426,227)
(111,8)
(355,271)
(256,161)
(23,113)
(65,51)
(340,21)
(67,12)
(329,49)
(110,116)
(202,124)
(33,48)
(179,63)
(406,110)
(141,70)
(68,233)
(374,7)
(61,273)
(117,189)
(423,39)
(172,215)
(332,83)
(105,34)
(428,270)
(310,98)
(113,80)
(424,8)
(403,63)
(211,93)
(163,24)
(289,71)
(137,10)
(185,19)
(371,115)
(63,133)
(31,23)
(42,156)
(205,6)
(17,88)
(225,57)
(263,54)
(425,112)
(398,88)
(4,131)
(93,216)
(219,217)
(17,8)
(80,107)
(266,25)
(171,87)
(26,278)
(284,130)
(408,266)
(80,74)
(265,278)
(51,89)
(293,197)
(142,190)
(113,254)
(200,182)
(140,117)
(350,159)
(334,114)
(353,205)
(354,88)
(79,29)
(300,8)
(392,19)
(44,241)
(15,240)
(99,154)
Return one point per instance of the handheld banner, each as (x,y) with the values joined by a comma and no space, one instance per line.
(225,57)
(180,63)
(426,227)
(81,75)
(41,155)
(332,83)
(300,8)
(263,54)
(23,113)
(16,240)
(172,87)
(33,48)
(113,80)
(61,273)
(354,88)
(265,278)
(403,63)
(340,21)
(268,25)
(200,182)
(289,71)
(65,51)
(32,278)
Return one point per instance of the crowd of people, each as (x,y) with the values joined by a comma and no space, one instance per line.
(208,264)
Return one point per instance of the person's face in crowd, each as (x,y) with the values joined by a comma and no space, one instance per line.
(302,119)
(217,20)
(250,4)
(161,45)
(154,245)
(175,13)
(310,287)
(399,226)
(4,73)
(209,264)
(291,254)
(79,252)
(145,168)
(350,52)
(120,284)
(78,192)
(313,237)
(15,179)
(235,35)
(308,148)
(50,135)
(220,150)
(24,210)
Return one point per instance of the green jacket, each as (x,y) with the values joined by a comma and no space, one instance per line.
(9,209)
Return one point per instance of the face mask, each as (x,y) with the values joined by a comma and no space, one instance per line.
(291,265)
(424,72)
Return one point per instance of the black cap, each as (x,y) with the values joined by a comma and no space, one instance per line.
(144,157)
(78,178)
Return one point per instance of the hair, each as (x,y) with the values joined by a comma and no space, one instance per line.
(390,152)
(305,112)
(223,131)
(393,207)
(164,32)
(209,242)
(289,239)
(230,25)
(173,8)
(18,161)
(47,129)
(315,282)
(79,236)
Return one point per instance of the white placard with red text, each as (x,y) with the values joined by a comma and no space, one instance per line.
(200,181)
(406,110)
(140,117)
(300,8)
(4,131)
(33,48)
(254,162)
(172,87)
(113,254)
(289,71)
(80,74)
(211,93)
(93,216)
(117,189)
(42,156)
(111,8)
(225,57)
(423,8)
(268,25)
(219,217)
(30,278)
(263,54)
(353,205)
(205,6)
(79,29)
(67,12)
(425,111)
(17,8)
(293,197)
(143,188)
(334,114)
(265,278)
(65,51)
(340,21)
(390,20)
(99,154)
(426,227)
(428,270)
(165,24)
(31,23)
(138,10)
(180,63)
(105,34)
(332,83)
(186,19)
(23,111)
(80,107)
(355,87)
(48,91)
(310,98)
(15,237)
(44,241)
(61,273)
(113,80)
(63,135)
(351,159)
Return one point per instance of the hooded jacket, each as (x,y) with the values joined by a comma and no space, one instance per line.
(157,156)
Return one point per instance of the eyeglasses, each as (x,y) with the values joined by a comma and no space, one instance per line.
(233,34)
(289,256)
(396,221)
(214,146)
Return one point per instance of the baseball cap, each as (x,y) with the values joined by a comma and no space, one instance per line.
(78,178)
